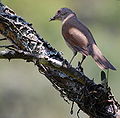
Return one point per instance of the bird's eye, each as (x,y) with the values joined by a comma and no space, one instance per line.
(58,11)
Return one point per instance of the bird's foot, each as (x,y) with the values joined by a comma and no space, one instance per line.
(79,67)
(66,64)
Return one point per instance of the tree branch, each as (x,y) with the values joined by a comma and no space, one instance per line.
(95,100)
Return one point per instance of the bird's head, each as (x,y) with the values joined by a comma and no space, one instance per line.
(61,14)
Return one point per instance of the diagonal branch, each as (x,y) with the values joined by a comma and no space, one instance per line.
(95,100)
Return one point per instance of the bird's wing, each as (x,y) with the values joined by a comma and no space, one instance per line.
(79,25)
(76,39)
(78,36)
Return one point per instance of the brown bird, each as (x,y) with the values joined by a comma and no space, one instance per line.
(79,38)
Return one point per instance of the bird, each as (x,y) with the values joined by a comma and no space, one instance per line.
(79,38)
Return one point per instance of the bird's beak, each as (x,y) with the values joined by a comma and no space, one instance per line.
(53,18)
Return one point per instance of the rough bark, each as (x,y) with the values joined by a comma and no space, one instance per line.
(96,100)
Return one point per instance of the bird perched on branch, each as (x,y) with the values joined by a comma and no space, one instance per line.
(79,38)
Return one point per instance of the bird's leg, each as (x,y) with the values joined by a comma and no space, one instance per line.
(75,53)
(83,58)
(80,63)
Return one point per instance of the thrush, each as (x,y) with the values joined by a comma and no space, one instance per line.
(79,38)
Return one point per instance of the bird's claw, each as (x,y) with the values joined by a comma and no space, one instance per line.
(65,63)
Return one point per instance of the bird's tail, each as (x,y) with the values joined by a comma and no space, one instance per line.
(100,60)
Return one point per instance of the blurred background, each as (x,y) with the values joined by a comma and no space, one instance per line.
(24,92)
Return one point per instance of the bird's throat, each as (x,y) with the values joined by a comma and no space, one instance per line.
(68,17)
